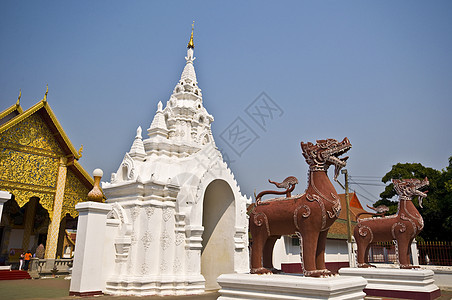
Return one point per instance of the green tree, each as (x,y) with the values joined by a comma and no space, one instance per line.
(437,207)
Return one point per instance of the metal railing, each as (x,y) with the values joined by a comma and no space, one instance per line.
(382,252)
(430,253)
(435,253)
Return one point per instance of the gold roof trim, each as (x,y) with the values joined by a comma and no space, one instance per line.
(12,108)
(60,130)
(42,105)
(18,98)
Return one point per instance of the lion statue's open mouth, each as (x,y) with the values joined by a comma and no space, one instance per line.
(325,153)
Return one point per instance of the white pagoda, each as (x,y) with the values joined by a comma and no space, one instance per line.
(177,219)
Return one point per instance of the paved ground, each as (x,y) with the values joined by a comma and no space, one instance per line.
(58,288)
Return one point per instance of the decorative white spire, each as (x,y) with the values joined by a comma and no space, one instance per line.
(158,125)
(137,149)
(184,120)
(189,74)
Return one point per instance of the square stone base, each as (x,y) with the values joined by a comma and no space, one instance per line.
(155,285)
(284,286)
(397,283)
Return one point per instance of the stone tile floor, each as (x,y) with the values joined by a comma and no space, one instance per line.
(58,288)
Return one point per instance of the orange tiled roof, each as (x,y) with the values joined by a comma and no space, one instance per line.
(339,229)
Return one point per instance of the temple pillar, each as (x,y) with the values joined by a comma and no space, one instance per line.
(29,222)
(61,234)
(54,226)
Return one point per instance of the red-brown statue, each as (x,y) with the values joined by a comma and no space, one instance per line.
(401,228)
(310,215)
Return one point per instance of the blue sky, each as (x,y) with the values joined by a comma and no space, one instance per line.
(377,72)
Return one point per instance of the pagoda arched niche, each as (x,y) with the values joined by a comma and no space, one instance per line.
(217,225)
(218,220)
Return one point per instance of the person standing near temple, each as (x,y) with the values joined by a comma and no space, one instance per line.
(27,258)
(21,260)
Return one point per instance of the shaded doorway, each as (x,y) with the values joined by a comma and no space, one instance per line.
(22,228)
(217,254)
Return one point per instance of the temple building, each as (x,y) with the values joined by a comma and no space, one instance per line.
(39,169)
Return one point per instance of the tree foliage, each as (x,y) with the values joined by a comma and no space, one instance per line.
(437,207)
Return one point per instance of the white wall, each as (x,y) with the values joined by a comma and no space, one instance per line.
(285,252)
(336,250)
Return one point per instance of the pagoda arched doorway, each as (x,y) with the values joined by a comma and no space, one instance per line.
(218,220)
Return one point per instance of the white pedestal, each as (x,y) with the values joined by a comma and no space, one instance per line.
(278,286)
(397,283)
(89,248)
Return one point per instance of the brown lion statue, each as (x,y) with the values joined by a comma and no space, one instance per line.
(309,215)
(401,228)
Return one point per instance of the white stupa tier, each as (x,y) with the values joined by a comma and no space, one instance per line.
(178,219)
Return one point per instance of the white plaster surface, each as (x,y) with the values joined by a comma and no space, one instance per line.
(414,280)
(253,286)
(284,252)
(4,196)
(89,246)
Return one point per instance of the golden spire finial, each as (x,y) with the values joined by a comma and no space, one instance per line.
(18,99)
(190,43)
(45,95)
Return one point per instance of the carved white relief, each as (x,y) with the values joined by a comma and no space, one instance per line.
(167,213)
(133,238)
(112,215)
(180,237)
(177,265)
(117,212)
(163,265)
(149,211)
(128,168)
(165,240)
(144,268)
(189,256)
(130,266)
(135,212)
(147,240)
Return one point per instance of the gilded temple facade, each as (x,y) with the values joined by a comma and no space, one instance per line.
(39,167)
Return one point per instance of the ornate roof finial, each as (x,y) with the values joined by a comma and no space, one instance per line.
(190,43)
(18,99)
(45,95)
(80,151)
